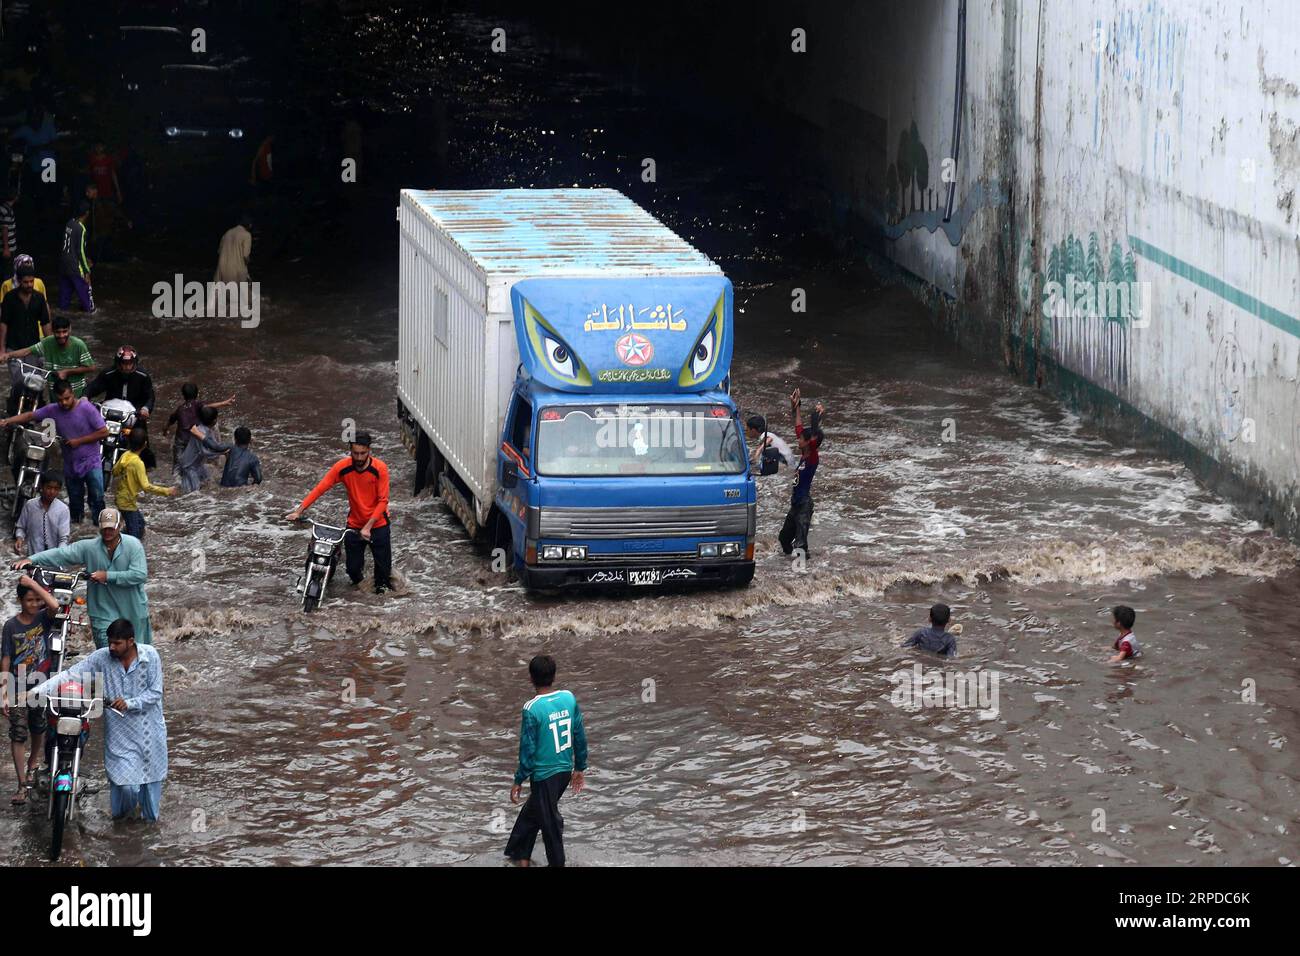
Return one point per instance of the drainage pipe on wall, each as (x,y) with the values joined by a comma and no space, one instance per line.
(957,96)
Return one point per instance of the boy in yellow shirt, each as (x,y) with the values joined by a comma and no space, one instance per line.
(133,479)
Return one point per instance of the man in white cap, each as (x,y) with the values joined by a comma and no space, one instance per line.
(118,571)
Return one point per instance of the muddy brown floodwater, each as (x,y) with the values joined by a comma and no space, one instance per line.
(754,726)
(761,726)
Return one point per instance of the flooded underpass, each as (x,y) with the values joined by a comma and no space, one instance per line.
(776,724)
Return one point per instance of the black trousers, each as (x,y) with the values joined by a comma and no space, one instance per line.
(541,812)
(381,549)
(794,533)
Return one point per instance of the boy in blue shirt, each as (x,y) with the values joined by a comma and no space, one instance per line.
(552,751)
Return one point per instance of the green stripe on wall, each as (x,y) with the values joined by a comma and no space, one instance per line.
(1241,300)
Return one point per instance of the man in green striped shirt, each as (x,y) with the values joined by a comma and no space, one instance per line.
(552,751)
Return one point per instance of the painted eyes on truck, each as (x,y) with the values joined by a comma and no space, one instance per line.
(556,355)
(560,358)
(704,357)
(703,353)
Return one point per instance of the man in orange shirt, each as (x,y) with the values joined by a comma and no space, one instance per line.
(366,480)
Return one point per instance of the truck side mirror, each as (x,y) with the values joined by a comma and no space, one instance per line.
(509,475)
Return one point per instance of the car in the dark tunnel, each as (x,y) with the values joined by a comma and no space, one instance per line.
(198,104)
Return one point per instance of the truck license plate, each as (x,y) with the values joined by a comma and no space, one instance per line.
(643,577)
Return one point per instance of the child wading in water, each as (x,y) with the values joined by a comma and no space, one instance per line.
(1126,644)
(25,654)
(186,417)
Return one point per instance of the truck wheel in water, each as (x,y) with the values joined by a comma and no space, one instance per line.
(742,579)
(428,462)
(501,535)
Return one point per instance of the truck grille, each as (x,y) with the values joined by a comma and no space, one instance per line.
(642,557)
(698,520)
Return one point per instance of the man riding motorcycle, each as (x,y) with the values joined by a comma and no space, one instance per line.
(126,380)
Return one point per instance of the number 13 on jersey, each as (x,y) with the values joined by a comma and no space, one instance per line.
(562,728)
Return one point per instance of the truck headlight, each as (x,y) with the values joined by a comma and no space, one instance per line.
(708,551)
(575,554)
(172,131)
(552,552)
(236,133)
(730,549)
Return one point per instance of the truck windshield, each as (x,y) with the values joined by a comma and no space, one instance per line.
(577,440)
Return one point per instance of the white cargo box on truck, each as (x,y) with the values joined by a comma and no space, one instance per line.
(461,253)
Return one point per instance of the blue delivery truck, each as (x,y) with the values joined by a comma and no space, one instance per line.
(562,383)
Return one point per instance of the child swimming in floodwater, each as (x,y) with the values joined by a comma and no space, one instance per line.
(938,637)
(1123,618)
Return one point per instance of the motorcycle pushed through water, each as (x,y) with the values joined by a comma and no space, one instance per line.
(322,559)
(70,709)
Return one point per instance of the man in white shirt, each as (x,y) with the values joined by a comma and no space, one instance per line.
(44,522)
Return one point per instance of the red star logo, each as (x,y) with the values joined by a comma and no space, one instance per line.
(634,350)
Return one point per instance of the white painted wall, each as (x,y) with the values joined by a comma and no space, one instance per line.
(1171,128)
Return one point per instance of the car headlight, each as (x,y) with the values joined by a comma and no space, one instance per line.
(552,552)
(730,549)
(171,131)
(236,133)
(575,554)
(708,551)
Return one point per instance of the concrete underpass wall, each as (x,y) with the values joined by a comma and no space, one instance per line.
(1109,147)
(1161,147)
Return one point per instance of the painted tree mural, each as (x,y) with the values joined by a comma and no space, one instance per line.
(891,192)
(909,175)
(1088,324)
(905,171)
(920,164)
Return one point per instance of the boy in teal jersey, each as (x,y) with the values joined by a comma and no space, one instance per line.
(552,751)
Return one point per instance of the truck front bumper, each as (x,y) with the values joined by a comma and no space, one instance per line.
(634,576)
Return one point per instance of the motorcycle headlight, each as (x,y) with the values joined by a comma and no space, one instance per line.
(552,552)
(323,548)
(36,452)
